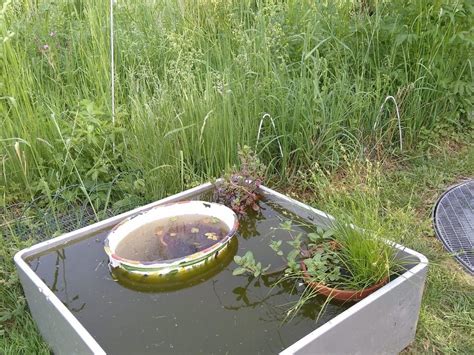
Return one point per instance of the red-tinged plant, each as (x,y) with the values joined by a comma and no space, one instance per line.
(239,188)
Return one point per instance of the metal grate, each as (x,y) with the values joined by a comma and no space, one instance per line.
(453,219)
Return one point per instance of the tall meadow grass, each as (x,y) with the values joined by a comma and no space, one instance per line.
(195,78)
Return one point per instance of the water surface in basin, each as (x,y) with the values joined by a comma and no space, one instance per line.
(172,238)
(214,312)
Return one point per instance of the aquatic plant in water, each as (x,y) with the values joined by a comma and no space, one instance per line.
(239,188)
(249,265)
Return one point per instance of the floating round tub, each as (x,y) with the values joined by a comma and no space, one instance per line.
(171,239)
(177,281)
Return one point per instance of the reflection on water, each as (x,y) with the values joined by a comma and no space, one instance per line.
(175,282)
(209,312)
(59,273)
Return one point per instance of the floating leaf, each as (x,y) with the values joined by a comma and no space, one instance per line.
(314,237)
(239,271)
(211,235)
(328,234)
(275,245)
(239,290)
(249,256)
(286,225)
(293,254)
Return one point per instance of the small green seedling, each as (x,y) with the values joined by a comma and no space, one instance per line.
(248,264)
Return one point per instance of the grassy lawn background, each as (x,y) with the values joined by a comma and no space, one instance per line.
(194,81)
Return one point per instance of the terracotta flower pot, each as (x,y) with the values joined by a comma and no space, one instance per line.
(338,294)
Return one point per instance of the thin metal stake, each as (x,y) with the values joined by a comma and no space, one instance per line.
(398,118)
(112,60)
(267,115)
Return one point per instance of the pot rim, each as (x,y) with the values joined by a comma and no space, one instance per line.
(337,293)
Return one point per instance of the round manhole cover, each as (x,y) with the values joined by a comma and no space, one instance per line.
(453,219)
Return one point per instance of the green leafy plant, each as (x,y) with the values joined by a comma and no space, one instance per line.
(239,188)
(323,263)
(247,264)
(316,250)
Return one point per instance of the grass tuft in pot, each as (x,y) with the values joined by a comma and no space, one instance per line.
(347,263)
(365,256)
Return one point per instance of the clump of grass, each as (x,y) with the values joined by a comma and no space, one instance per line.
(367,258)
(340,258)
